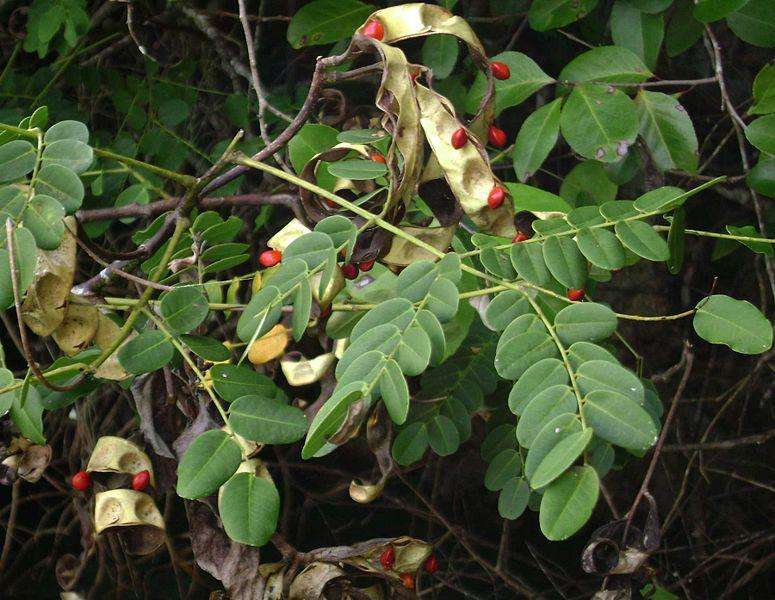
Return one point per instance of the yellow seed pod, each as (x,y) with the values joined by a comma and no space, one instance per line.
(136,513)
(299,370)
(335,285)
(293,230)
(113,454)
(269,346)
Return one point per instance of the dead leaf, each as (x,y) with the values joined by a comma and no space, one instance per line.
(33,462)
(311,582)
(269,346)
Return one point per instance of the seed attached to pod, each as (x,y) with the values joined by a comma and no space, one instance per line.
(373,29)
(388,558)
(81,481)
(141,480)
(496,197)
(575,295)
(269,258)
(431,564)
(377,157)
(366,265)
(520,237)
(500,70)
(496,136)
(459,138)
(350,270)
(408,580)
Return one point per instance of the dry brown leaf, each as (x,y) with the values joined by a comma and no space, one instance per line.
(269,346)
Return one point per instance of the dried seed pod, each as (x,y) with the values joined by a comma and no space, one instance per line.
(116,455)
(269,346)
(292,230)
(136,513)
(299,370)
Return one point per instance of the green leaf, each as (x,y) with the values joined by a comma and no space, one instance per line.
(27,414)
(147,352)
(205,347)
(735,323)
(506,307)
(267,420)
(551,14)
(606,64)
(43,217)
(561,456)
(761,133)
(341,231)
(552,433)
(542,375)
(357,169)
(309,141)
(599,122)
(528,261)
(173,112)
(527,197)
(498,439)
(545,406)
(565,262)
(432,327)
(588,184)
(249,507)
(497,262)
(526,77)
(395,392)
(410,444)
(313,248)
(519,353)
(443,435)
(754,23)
(684,30)
(762,177)
(751,231)
(439,53)
(25,253)
(640,32)
(17,159)
(536,138)
(764,91)
(650,6)
(210,460)
(506,465)
(362,136)
(595,375)
(134,194)
(302,307)
(601,248)
(326,21)
(512,500)
(619,420)
(586,321)
(398,311)
(639,237)
(67,130)
(675,241)
(260,315)
(71,154)
(660,199)
(708,11)
(581,352)
(330,417)
(568,503)
(231,382)
(616,210)
(668,131)
(61,184)
(184,308)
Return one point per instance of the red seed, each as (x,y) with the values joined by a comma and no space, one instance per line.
(496,197)
(350,270)
(141,480)
(366,265)
(431,564)
(459,138)
(331,204)
(496,136)
(500,70)
(373,29)
(408,580)
(520,237)
(377,157)
(388,558)
(326,312)
(269,258)
(575,295)
(81,481)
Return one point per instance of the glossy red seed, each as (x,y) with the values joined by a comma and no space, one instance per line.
(331,204)
(377,157)
(141,480)
(459,138)
(496,197)
(269,258)
(350,271)
(520,237)
(388,558)
(496,136)
(81,481)
(575,295)
(373,29)
(500,70)
(408,580)
(431,564)
(366,265)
